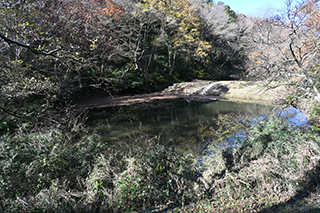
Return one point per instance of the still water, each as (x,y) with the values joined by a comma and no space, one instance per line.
(189,126)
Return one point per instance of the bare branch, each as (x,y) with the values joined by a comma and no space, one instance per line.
(30,47)
(12,113)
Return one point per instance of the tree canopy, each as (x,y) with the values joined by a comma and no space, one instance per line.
(54,51)
(287,47)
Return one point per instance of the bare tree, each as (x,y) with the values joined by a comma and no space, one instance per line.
(286,48)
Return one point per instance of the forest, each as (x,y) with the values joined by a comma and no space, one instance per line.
(58,52)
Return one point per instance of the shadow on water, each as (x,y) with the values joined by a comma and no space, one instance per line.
(189,126)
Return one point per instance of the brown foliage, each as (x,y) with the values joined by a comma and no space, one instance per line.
(84,23)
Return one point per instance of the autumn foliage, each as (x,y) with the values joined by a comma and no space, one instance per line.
(55,53)
(189,23)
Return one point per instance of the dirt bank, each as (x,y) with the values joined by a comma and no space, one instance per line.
(257,92)
(200,90)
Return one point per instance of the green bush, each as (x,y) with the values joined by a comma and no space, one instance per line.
(45,172)
(143,179)
(161,176)
(31,163)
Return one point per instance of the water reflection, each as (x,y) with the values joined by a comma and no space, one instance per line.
(291,115)
(188,126)
(294,117)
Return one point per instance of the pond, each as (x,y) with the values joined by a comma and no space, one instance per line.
(189,126)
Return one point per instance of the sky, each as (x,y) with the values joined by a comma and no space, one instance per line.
(253,7)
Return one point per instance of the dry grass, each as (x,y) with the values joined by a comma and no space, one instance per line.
(276,167)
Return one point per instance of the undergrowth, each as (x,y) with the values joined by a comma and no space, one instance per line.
(49,172)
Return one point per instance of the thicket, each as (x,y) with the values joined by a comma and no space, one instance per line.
(46,172)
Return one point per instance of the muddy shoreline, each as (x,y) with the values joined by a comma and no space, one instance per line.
(105,102)
(239,91)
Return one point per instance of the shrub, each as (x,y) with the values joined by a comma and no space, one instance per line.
(45,172)
(274,160)
(159,175)
(314,118)
(50,172)
(143,179)
(31,163)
